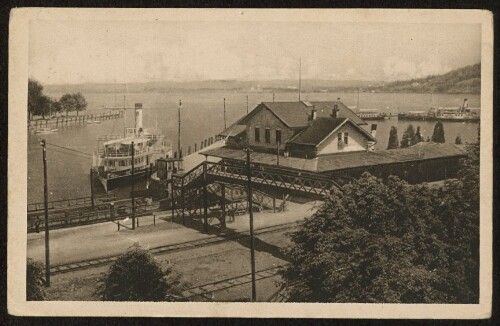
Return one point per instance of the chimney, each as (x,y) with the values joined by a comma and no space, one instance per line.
(313,113)
(335,109)
(373,129)
(466,104)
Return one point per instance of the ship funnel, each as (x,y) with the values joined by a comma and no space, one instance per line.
(466,104)
(138,116)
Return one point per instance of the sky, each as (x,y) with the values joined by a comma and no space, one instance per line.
(70,51)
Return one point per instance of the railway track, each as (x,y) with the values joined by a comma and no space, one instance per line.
(188,245)
(206,289)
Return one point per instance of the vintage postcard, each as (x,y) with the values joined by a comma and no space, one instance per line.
(250,163)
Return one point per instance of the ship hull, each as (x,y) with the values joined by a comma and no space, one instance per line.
(415,118)
(110,183)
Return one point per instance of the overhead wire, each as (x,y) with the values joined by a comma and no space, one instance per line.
(71,154)
(69,149)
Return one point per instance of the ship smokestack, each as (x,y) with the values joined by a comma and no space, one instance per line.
(374,130)
(138,116)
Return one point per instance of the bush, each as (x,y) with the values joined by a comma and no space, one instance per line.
(137,276)
(387,241)
(35,280)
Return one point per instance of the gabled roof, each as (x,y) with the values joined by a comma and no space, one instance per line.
(296,114)
(321,128)
(317,131)
(292,114)
(233,130)
(324,109)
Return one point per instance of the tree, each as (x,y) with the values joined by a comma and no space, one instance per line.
(35,91)
(387,241)
(35,281)
(80,102)
(67,103)
(438,134)
(137,276)
(417,138)
(55,106)
(393,138)
(408,135)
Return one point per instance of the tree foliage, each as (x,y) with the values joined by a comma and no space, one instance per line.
(35,281)
(408,136)
(137,276)
(418,137)
(438,134)
(393,138)
(80,102)
(388,241)
(38,103)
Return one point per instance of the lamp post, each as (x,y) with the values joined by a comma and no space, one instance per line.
(252,249)
(46,209)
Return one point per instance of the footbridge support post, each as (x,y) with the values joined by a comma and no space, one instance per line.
(223,206)
(205,198)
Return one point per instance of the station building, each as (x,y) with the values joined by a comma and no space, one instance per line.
(327,138)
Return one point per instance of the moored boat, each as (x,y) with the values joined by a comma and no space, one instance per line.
(113,160)
(372,114)
(414,115)
(46,130)
(460,114)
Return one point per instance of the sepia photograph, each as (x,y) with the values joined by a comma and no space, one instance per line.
(181,162)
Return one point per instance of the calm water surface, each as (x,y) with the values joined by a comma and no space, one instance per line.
(202,116)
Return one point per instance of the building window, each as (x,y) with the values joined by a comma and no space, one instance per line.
(278,136)
(268,136)
(346,138)
(257,134)
(339,137)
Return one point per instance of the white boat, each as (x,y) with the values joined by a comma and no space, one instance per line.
(112,164)
(460,114)
(96,121)
(46,130)
(90,122)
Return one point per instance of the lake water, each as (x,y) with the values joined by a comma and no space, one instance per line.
(202,117)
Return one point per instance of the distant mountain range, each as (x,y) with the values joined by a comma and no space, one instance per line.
(463,80)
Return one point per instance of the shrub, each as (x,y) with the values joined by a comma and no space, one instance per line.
(35,281)
(137,276)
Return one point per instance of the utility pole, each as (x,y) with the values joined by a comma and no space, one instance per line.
(179,130)
(225,127)
(91,188)
(247,104)
(278,153)
(133,186)
(252,250)
(46,209)
(273,97)
(300,74)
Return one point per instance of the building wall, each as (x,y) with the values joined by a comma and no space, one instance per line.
(357,141)
(265,119)
(412,171)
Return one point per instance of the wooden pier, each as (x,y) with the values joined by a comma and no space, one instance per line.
(73,120)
